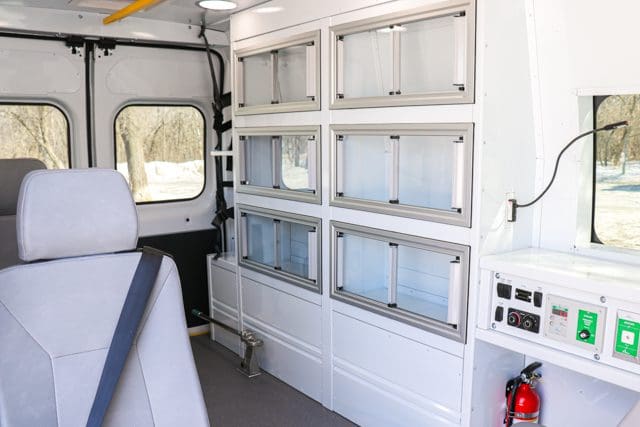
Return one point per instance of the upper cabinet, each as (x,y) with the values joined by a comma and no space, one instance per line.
(278,77)
(419,171)
(418,57)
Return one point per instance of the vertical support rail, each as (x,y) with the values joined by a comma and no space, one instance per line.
(394,168)
(311,71)
(393,275)
(312,255)
(455,291)
(460,50)
(459,175)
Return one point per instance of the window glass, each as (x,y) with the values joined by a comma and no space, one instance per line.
(257,79)
(366,171)
(617,173)
(368,64)
(366,267)
(295,162)
(36,131)
(292,68)
(160,151)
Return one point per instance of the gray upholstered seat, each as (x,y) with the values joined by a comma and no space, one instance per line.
(11,173)
(57,317)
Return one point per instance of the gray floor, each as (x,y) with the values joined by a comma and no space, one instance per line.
(234,400)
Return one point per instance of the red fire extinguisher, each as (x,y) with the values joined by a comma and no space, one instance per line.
(523,403)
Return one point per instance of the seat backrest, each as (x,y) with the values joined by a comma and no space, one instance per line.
(57,317)
(12,171)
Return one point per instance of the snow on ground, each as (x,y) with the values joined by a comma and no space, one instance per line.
(617,219)
(169,180)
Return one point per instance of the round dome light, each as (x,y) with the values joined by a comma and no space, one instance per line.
(217,4)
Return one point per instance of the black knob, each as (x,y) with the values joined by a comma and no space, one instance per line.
(513,319)
(584,334)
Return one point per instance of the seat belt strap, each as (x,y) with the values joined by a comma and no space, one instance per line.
(139,291)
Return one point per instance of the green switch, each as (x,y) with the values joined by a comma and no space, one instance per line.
(587,325)
(627,337)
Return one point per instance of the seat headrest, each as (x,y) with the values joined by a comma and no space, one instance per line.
(11,173)
(75,212)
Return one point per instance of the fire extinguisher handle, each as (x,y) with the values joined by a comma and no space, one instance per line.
(528,371)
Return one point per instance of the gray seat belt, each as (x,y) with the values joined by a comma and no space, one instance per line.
(128,323)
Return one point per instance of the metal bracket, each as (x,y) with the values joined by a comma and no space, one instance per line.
(249,363)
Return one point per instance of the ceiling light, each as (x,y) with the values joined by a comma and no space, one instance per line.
(268,9)
(217,4)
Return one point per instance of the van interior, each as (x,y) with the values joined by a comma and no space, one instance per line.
(319,213)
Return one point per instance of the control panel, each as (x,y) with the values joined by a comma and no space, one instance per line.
(575,323)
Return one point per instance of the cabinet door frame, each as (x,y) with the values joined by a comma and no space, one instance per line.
(463,180)
(311,40)
(461,252)
(461,93)
(316,251)
(270,131)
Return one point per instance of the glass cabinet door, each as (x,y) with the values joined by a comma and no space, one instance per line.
(422,57)
(281,162)
(419,171)
(282,245)
(419,281)
(278,77)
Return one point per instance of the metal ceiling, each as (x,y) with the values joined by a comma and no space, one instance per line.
(181,11)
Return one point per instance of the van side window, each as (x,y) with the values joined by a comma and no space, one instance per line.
(160,151)
(616,197)
(39,131)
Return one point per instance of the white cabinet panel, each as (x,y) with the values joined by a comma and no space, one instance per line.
(293,316)
(423,370)
(416,57)
(418,281)
(281,76)
(286,246)
(418,171)
(223,286)
(281,162)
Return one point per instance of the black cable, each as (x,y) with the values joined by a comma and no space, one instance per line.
(611,126)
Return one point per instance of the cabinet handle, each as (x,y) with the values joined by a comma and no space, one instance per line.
(275,84)
(460,50)
(455,291)
(395,40)
(339,259)
(459,175)
(243,236)
(276,161)
(339,165)
(312,156)
(393,168)
(242,159)
(277,256)
(239,83)
(393,275)
(339,67)
(312,255)
(311,71)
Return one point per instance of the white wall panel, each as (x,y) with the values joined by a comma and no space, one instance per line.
(367,405)
(223,286)
(423,370)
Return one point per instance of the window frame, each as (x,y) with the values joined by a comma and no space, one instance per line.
(462,252)
(263,47)
(616,253)
(282,193)
(465,96)
(204,139)
(48,103)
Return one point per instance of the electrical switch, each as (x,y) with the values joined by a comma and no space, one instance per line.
(537,299)
(504,290)
(499,314)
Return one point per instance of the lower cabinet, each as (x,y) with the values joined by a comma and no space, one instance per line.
(223,299)
(422,282)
